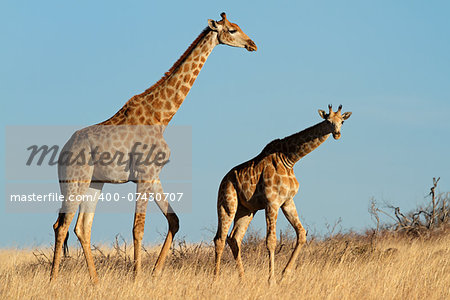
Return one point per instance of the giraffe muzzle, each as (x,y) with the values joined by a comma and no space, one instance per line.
(336,135)
(251,46)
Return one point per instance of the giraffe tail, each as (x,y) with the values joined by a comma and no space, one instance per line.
(65,246)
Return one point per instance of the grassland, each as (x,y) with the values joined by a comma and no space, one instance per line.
(339,267)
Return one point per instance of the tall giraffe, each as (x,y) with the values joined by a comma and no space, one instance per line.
(123,134)
(268,182)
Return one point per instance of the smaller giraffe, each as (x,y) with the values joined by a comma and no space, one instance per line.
(268,182)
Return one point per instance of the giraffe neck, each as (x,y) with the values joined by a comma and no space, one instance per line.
(158,104)
(298,145)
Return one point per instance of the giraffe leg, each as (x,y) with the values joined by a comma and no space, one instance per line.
(152,189)
(138,234)
(84,225)
(241,221)
(226,210)
(174,225)
(61,227)
(271,239)
(67,212)
(139,224)
(290,212)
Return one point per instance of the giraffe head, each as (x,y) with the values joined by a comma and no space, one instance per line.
(230,34)
(335,119)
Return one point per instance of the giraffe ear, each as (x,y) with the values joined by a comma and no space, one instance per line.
(346,115)
(322,114)
(213,25)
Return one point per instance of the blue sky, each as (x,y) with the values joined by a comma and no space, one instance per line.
(386,61)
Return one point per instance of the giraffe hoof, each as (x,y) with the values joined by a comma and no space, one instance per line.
(286,273)
(272,282)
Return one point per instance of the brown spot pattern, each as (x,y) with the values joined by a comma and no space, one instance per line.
(275,191)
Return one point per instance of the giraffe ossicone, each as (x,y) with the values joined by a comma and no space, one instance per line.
(268,182)
(141,121)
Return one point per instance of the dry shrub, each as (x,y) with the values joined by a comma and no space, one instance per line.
(431,219)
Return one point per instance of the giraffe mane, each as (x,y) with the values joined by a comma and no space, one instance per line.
(179,61)
(270,148)
(175,66)
(303,132)
(274,146)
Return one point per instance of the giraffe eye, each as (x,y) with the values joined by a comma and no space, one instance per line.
(232,31)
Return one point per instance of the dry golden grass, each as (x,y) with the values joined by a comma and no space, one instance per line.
(341,267)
